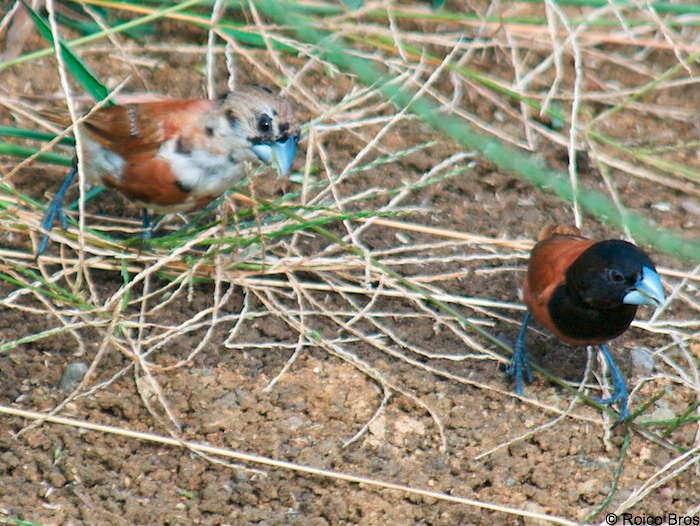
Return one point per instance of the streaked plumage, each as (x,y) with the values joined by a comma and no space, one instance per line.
(174,155)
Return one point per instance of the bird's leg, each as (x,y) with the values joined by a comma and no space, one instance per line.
(521,363)
(55,209)
(620,394)
(147,225)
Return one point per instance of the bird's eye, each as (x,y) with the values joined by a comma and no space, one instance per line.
(616,276)
(264,123)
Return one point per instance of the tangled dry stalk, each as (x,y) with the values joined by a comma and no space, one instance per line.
(288,270)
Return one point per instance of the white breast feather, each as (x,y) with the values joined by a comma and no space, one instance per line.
(101,161)
(200,171)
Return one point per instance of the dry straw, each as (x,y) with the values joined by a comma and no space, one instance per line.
(349,283)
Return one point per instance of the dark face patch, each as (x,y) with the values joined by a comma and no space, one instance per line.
(602,275)
(264,123)
(259,140)
(263,88)
(183,146)
(581,322)
(589,306)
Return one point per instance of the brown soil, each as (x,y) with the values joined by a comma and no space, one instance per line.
(56,474)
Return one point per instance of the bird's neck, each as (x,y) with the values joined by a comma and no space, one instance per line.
(584,324)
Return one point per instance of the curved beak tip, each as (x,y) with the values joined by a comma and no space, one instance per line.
(647,291)
(284,153)
(281,152)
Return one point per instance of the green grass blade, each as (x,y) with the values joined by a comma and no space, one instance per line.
(76,66)
(48,289)
(22,133)
(31,338)
(15,150)
(88,27)
(164,13)
(506,158)
(659,7)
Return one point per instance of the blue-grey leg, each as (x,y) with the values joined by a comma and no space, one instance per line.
(55,210)
(147,226)
(521,363)
(620,394)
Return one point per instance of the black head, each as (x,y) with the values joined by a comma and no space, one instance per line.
(612,273)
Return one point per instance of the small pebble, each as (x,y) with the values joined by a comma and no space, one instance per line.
(661,413)
(294,423)
(642,360)
(663,206)
(72,376)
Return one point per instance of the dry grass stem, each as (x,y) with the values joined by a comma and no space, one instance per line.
(307,268)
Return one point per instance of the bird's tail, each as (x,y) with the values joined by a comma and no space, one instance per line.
(56,116)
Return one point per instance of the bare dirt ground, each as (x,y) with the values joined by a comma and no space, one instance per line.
(382,385)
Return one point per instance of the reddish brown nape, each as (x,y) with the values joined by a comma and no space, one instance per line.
(549,261)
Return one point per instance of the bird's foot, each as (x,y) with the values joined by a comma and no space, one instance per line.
(620,395)
(520,365)
(55,211)
(519,368)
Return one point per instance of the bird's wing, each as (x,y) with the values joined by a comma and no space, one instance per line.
(549,261)
(139,127)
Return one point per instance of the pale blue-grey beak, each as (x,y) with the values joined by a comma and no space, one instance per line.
(282,152)
(647,291)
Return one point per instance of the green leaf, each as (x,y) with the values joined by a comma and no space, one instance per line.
(76,66)
(505,157)
(22,133)
(87,27)
(14,150)
(353,4)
